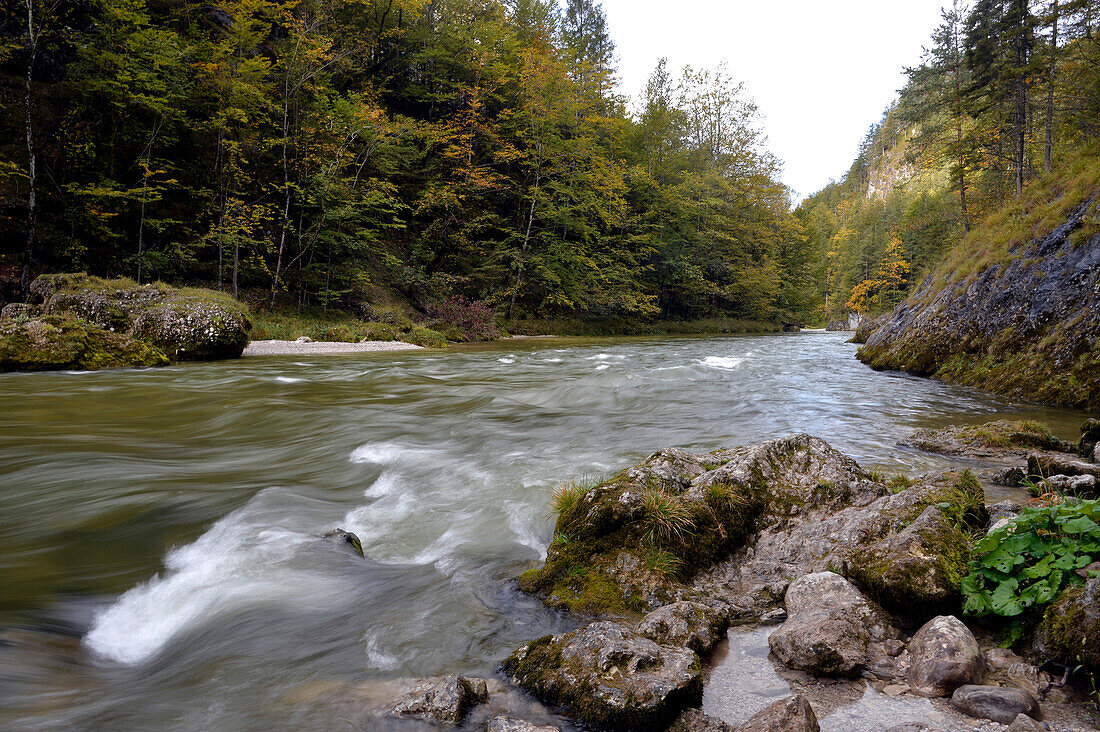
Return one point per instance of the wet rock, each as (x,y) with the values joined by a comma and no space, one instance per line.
(1040,466)
(443,699)
(505,724)
(693,720)
(1070,627)
(1090,438)
(1010,477)
(867,327)
(1000,438)
(944,655)
(345,539)
(1083,486)
(54,342)
(1004,509)
(830,627)
(793,714)
(609,676)
(919,569)
(997,703)
(1024,723)
(691,624)
(194,328)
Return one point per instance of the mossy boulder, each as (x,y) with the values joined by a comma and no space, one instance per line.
(418,335)
(609,677)
(54,342)
(1070,629)
(196,325)
(988,440)
(920,568)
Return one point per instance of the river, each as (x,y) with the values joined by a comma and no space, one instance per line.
(158,560)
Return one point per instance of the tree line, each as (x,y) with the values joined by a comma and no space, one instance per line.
(1005,92)
(322,152)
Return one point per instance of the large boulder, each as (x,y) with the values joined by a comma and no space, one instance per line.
(830,627)
(53,342)
(196,328)
(609,676)
(999,703)
(443,699)
(793,714)
(691,624)
(944,655)
(1070,629)
(919,569)
(996,439)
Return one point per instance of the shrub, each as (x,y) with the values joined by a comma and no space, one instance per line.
(1024,565)
(472,318)
(421,336)
(340,334)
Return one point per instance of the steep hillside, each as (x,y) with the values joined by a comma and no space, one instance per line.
(1015,306)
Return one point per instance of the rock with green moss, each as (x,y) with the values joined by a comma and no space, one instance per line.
(609,677)
(919,568)
(418,335)
(831,628)
(999,438)
(55,342)
(19,311)
(196,326)
(1070,629)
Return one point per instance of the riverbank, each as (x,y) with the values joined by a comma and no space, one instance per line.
(315,348)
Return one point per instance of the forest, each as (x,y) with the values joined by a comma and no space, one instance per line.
(308,153)
(1006,94)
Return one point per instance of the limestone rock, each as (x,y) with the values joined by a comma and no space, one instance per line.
(998,703)
(693,720)
(1042,466)
(55,342)
(1004,509)
(191,328)
(793,714)
(830,627)
(919,568)
(1070,627)
(506,724)
(609,676)
(691,624)
(944,655)
(443,699)
(1024,723)
(1083,486)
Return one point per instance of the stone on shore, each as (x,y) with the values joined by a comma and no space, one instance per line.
(830,627)
(944,655)
(442,699)
(691,624)
(55,342)
(1042,466)
(193,328)
(998,703)
(694,720)
(1070,629)
(1024,723)
(793,714)
(609,677)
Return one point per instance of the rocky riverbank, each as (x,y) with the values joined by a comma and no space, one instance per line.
(858,584)
(79,322)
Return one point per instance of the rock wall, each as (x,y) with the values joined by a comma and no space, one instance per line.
(1028,328)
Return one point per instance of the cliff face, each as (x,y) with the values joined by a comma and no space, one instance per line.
(1028,328)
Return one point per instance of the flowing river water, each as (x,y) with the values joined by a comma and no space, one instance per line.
(159,566)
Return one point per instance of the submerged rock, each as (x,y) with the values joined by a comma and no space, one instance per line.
(998,703)
(345,539)
(793,714)
(443,699)
(609,676)
(944,655)
(830,627)
(506,724)
(54,342)
(691,624)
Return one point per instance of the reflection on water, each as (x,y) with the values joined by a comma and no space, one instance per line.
(161,524)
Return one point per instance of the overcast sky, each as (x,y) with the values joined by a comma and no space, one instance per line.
(821,71)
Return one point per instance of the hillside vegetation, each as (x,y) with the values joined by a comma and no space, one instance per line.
(334,153)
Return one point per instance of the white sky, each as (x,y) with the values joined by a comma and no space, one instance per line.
(821,71)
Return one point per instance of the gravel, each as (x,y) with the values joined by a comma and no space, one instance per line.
(300,348)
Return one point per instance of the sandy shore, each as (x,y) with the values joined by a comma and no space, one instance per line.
(300,348)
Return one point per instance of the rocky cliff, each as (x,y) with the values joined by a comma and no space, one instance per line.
(1026,326)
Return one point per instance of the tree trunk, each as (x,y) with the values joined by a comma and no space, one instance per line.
(141,224)
(1048,157)
(28,99)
